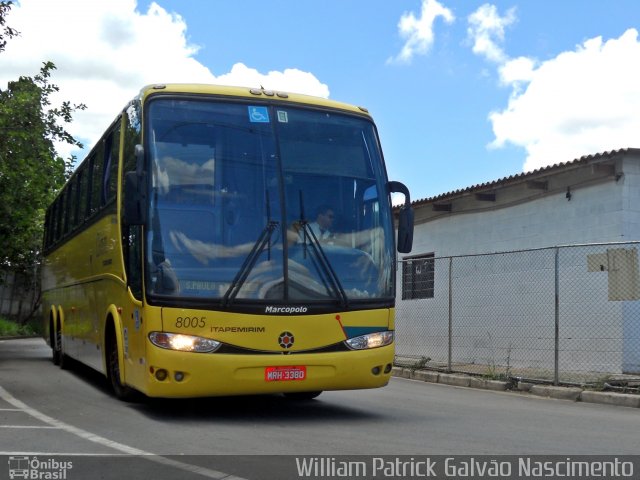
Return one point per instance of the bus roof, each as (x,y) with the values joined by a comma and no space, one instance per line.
(247,92)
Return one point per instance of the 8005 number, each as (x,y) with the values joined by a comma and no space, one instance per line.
(191,322)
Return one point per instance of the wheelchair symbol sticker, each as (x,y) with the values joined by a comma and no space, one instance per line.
(258,115)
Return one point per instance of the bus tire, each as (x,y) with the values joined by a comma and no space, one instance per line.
(55,340)
(63,359)
(302,396)
(121,391)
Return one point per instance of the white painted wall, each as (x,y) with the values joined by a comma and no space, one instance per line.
(631,199)
(594,214)
(503,306)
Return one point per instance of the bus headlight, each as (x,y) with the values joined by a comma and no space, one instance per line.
(183,343)
(372,340)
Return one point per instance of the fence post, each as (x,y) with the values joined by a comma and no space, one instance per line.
(450,353)
(556,365)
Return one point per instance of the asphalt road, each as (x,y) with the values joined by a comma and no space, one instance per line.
(51,413)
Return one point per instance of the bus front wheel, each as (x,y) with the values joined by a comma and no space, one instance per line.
(113,370)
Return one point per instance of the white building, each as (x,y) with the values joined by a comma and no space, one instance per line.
(502,307)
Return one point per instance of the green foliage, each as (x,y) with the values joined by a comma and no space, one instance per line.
(13,329)
(6,31)
(31,171)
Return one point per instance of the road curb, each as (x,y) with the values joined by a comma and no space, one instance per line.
(611,398)
(560,393)
(19,337)
(574,394)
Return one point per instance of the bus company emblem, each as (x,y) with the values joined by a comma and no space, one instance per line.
(289,309)
(286,339)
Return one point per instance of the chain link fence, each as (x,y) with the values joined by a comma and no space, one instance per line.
(567,314)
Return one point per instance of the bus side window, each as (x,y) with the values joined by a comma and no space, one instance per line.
(90,179)
(131,236)
(68,207)
(110,176)
(133,259)
(59,215)
(75,219)
(83,197)
(97,199)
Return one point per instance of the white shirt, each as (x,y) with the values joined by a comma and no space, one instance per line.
(317,231)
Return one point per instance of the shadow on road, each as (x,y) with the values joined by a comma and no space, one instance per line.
(242,409)
(256,408)
(251,408)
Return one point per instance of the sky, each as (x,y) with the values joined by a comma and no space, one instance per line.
(463,92)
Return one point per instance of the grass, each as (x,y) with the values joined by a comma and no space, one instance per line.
(9,328)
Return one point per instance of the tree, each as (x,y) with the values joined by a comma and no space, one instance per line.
(31,171)
(6,32)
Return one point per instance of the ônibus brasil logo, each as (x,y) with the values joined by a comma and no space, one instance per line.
(32,467)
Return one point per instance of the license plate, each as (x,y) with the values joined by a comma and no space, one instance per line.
(285,374)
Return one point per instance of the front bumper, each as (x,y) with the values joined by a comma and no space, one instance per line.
(211,374)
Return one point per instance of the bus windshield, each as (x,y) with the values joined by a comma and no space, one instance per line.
(262,202)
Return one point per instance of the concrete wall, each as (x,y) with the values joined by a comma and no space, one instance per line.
(16,298)
(503,305)
(631,231)
(594,214)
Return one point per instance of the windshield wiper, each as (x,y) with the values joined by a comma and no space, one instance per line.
(263,240)
(249,263)
(322,261)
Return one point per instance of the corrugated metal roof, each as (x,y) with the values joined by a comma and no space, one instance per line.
(519,177)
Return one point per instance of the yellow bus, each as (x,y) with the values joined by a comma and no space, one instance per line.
(184,258)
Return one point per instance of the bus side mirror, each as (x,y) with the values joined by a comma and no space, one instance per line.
(405,218)
(134,205)
(405,229)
